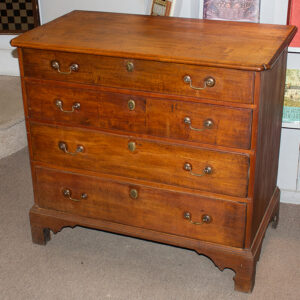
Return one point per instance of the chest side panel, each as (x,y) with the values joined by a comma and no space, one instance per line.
(268,139)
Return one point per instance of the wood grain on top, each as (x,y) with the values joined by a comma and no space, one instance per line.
(238,45)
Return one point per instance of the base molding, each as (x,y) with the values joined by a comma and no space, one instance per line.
(242,261)
(289,196)
(12,139)
(8,61)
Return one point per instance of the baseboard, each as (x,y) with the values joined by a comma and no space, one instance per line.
(292,197)
(12,139)
(8,61)
(9,64)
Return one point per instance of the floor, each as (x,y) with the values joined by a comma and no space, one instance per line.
(85,264)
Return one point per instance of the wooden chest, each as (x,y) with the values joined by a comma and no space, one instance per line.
(165,129)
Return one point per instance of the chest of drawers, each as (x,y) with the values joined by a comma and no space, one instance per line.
(159,128)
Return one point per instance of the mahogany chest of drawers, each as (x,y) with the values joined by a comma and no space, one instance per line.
(165,129)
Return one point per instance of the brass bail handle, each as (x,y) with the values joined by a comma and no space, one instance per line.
(68,194)
(205,219)
(206,171)
(207,124)
(59,104)
(63,146)
(208,82)
(72,68)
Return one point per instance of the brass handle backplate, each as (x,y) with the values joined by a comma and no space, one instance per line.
(208,82)
(75,106)
(72,68)
(68,194)
(207,124)
(206,219)
(206,171)
(64,147)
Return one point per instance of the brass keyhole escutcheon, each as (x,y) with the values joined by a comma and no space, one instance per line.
(134,193)
(132,146)
(130,66)
(131,104)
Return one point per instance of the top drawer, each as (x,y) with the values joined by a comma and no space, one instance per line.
(171,78)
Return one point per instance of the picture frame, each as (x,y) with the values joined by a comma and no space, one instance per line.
(161,7)
(293,18)
(232,10)
(17,16)
(291,108)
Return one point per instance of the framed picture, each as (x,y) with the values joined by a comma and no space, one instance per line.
(161,7)
(293,18)
(17,16)
(232,10)
(291,109)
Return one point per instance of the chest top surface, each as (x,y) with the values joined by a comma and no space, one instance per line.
(237,45)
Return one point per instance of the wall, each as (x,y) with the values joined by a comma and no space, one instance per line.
(271,12)
(289,159)
(8,63)
(54,8)
(289,172)
(51,9)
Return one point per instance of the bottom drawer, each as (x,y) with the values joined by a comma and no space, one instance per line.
(142,206)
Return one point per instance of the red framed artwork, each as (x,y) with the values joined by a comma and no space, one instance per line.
(293,18)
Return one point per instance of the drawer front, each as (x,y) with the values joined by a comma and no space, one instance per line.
(227,84)
(204,123)
(123,112)
(62,104)
(215,171)
(196,122)
(190,121)
(142,206)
